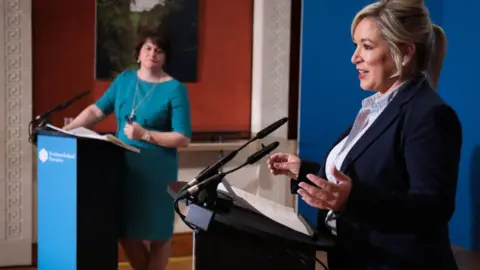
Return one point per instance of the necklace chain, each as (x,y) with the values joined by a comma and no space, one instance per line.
(134,108)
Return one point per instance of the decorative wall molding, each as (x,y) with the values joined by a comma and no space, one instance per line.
(270,87)
(16,159)
(13,118)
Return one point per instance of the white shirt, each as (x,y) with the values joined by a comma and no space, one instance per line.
(372,107)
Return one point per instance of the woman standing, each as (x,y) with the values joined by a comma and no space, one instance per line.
(152,112)
(386,189)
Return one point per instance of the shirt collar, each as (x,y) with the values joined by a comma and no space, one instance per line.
(378,100)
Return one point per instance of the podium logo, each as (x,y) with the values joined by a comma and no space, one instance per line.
(43,155)
(57,157)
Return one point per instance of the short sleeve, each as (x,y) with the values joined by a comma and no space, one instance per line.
(181,122)
(107,102)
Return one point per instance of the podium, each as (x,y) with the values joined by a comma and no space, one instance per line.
(235,238)
(77,202)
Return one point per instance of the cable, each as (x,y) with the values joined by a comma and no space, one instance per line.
(182,216)
(297,256)
(304,259)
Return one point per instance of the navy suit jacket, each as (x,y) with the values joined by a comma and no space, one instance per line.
(404,173)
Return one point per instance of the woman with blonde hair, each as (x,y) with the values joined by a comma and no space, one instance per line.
(386,189)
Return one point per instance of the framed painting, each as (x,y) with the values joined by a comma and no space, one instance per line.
(119,23)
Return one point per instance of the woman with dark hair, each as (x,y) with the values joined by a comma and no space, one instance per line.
(152,111)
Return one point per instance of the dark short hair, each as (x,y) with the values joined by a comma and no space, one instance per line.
(156,37)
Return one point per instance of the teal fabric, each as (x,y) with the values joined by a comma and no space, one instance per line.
(145,208)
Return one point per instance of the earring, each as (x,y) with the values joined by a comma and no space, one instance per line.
(138,60)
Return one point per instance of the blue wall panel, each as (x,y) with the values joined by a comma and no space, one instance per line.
(460,87)
(330,95)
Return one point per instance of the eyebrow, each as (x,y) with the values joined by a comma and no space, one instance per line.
(366,39)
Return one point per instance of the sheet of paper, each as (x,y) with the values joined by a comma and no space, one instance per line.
(90,134)
(116,141)
(81,131)
(275,211)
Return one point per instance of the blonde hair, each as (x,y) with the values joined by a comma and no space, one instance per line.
(408,21)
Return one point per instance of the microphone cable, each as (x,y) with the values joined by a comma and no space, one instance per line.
(304,259)
(182,216)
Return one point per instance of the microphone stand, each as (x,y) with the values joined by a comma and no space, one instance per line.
(44,118)
(207,200)
(207,189)
(209,196)
(213,199)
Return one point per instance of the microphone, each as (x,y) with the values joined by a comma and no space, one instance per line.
(209,171)
(264,132)
(194,189)
(32,131)
(191,191)
(262,152)
(62,106)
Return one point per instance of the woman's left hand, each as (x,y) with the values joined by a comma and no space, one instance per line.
(325,194)
(134,131)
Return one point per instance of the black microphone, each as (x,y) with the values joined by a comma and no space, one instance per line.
(62,106)
(209,171)
(264,132)
(44,117)
(262,152)
(194,189)
(191,191)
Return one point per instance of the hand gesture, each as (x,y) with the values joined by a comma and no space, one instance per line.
(284,164)
(325,194)
(134,131)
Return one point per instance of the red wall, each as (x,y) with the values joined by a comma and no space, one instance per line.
(63,63)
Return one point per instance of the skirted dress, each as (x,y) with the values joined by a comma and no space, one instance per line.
(145,208)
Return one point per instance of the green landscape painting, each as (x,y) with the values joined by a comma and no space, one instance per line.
(119,23)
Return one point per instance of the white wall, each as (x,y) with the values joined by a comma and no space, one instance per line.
(270,98)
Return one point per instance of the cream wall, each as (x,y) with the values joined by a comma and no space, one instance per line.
(270,95)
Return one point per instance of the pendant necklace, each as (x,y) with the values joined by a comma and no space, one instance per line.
(131,117)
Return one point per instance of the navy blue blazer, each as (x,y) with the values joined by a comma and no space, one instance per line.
(404,176)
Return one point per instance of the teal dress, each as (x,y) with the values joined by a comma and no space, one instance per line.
(146,209)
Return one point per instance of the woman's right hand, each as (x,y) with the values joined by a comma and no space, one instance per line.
(284,164)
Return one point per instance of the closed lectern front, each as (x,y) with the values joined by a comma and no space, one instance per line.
(227,236)
(76,202)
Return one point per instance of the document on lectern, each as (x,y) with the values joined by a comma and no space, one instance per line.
(90,134)
(282,214)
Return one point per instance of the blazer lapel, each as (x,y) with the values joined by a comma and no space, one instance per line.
(384,120)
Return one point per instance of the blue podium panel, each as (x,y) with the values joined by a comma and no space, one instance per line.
(78,181)
(57,203)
